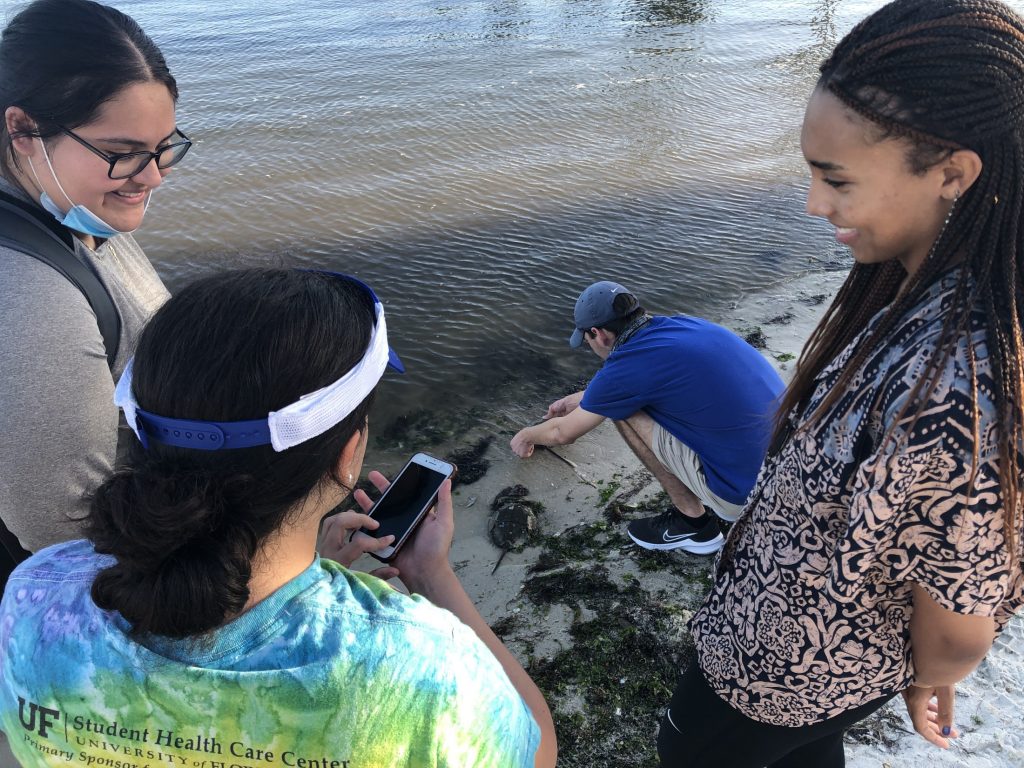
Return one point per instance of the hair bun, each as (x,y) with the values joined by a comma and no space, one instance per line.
(176,544)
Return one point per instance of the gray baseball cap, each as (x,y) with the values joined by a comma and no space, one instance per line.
(595,307)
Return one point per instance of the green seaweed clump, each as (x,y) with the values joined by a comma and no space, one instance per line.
(755,337)
(583,542)
(627,640)
(506,625)
(605,490)
(569,586)
(609,688)
(470,461)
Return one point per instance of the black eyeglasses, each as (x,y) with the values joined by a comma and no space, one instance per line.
(124,165)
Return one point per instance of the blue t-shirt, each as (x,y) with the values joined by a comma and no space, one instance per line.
(333,670)
(705,386)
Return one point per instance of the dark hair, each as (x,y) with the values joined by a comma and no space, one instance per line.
(943,75)
(62,60)
(184,525)
(623,303)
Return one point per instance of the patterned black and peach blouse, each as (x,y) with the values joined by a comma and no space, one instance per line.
(809,614)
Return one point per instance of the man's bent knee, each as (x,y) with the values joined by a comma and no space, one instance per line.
(642,424)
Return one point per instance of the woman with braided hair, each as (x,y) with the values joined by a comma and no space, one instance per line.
(881,551)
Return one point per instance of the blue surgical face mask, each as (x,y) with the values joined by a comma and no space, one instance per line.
(78,217)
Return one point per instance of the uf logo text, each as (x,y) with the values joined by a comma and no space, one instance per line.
(46,716)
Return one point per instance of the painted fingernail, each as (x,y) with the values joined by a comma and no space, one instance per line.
(945,730)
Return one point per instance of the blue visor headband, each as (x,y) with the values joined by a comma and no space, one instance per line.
(309,416)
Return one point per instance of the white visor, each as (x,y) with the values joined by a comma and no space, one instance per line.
(309,416)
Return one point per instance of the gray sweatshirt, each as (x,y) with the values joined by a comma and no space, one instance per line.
(58,423)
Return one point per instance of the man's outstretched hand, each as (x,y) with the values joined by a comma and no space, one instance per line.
(522,446)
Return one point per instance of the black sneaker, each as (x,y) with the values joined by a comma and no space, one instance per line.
(673,530)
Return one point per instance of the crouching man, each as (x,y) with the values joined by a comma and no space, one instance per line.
(692,400)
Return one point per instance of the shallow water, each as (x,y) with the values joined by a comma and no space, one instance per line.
(480,163)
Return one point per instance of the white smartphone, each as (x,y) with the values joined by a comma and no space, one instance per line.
(406,501)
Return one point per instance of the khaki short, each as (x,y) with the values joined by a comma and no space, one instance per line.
(681,461)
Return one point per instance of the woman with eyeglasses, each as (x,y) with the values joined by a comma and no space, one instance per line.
(89,133)
(198,625)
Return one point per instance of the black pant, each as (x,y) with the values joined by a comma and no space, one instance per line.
(700,730)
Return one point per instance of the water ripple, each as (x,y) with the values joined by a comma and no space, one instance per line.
(480,163)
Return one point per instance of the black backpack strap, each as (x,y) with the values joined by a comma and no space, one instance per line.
(23,229)
(11,553)
(26,229)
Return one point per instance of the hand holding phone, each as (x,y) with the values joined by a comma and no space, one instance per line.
(337,543)
(405,501)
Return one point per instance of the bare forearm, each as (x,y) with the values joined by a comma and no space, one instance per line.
(443,589)
(547,433)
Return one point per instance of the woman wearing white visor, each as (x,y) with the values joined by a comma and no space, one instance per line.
(199,623)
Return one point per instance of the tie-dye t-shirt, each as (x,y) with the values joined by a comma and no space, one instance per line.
(333,670)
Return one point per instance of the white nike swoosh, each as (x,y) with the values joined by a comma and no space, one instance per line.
(666,537)
(668,714)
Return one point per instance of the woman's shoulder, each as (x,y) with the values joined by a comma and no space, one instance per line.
(357,592)
(44,317)
(29,280)
(59,575)
(391,616)
(67,561)
(931,328)
(36,300)
(943,364)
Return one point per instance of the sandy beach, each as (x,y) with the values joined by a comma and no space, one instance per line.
(601,624)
